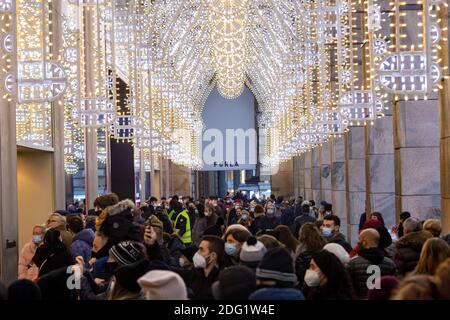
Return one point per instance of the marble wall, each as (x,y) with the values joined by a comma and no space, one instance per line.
(283,181)
(338,181)
(418,158)
(381,165)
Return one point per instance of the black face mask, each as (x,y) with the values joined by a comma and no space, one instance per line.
(111,267)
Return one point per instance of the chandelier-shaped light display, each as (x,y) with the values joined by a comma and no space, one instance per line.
(229,18)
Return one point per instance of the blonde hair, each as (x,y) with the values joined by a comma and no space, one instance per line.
(61,218)
(416,287)
(433,226)
(40,226)
(434,251)
(442,279)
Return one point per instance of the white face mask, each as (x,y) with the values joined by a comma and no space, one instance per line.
(182,262)
(199,261)
(312,278)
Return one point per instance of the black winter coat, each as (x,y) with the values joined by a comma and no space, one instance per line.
(359,273)
(199,284)
(48,259)
(301,265)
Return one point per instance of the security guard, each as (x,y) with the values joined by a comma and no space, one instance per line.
(182,225)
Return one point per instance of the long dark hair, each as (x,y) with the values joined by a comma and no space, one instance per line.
(338,285)
(286,238)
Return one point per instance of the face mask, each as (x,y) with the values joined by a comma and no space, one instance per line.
(182,262)
(230,249)
(111,267)
(252,209)
(269,212)
(37,239)
(327,232)
(167,207)
(312,278)
(207,213)
(199,261)
(244,217)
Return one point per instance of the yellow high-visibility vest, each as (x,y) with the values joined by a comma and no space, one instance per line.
(186,238)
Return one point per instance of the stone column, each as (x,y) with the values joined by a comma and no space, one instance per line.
(381,166)
(90,135)
(8,192)
(315,176)
(8,175)
(308,175)
(300,189)
(444,111)
(417,158)
(58,118)
(282,181)
(180,180)
(338,181)
(325,172)
(355,180)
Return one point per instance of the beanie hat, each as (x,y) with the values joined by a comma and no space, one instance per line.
(277,264)
(236,226)
(372,223)
(189,252)
(155,222)
(252,250)
(338,251)
(234,283)
(24,289)
(388,284)
(163,285)
(127,275)
(127,252)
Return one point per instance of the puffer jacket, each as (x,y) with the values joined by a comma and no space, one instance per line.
(408,250)
(82,245)
(27,269)
(358,269)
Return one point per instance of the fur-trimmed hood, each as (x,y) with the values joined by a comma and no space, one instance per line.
(414,240)
(122,206)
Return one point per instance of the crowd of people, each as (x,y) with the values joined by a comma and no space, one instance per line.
(228,249)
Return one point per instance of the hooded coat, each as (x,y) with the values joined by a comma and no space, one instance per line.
(49,258)
(359,272)
(408,250)
(82,245)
